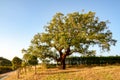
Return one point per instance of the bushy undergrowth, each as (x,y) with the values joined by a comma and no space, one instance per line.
(4,69)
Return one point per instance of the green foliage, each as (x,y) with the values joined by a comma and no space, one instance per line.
(16,63)
(5,65)
(5,62)
(4,69)
(33,60)
(71,33)
(29,59)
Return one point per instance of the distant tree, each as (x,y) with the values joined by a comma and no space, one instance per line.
(24,66)
(29,58)
(26,56)
(16,62)
(5,65)
(25,59)
(71,33)
(33,61)
(5,62)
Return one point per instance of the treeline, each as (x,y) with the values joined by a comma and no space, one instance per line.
(5,65)
(93,60)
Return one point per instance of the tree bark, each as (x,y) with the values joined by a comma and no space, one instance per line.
(35,70)
(63,65)
(25,70)
(63,57)
(18,73)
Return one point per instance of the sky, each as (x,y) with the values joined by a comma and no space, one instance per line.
(20,20)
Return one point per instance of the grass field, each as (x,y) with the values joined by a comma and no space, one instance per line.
(76,73)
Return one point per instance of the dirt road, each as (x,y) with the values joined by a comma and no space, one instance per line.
(3,76)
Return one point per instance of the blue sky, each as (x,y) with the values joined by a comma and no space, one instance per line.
(20,20)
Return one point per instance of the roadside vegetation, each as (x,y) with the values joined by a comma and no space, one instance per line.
(5,65)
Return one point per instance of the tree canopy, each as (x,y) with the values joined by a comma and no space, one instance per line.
(16,62)
(5,62)
(29,58)
(71,33)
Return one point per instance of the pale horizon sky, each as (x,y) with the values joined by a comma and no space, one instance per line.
(20,20)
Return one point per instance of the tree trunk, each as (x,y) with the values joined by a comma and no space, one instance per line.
(25,70)
(35,70)
(63,57)
(18,73)
(63,65)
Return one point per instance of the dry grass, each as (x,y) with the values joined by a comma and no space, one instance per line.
(86,73)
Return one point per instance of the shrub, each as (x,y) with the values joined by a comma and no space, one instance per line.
(4,69)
